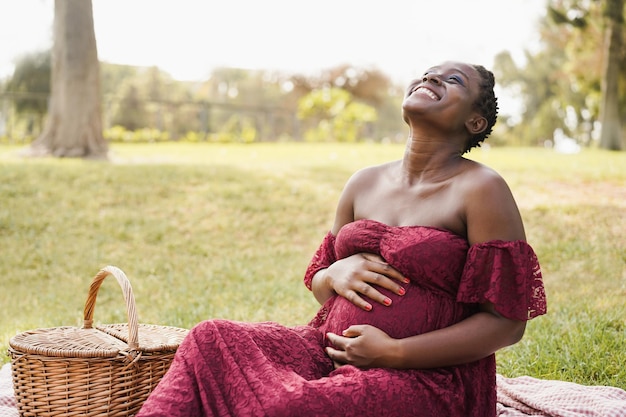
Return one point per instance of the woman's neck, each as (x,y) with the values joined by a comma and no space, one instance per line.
(428,159)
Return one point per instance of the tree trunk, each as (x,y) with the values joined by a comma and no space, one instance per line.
(610,133)
(74,124)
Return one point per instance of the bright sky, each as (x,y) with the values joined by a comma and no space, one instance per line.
(188,38)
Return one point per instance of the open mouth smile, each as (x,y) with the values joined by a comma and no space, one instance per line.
(426,91)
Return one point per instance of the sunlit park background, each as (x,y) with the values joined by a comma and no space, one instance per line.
(213,193)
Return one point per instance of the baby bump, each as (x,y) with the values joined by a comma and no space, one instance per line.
(414,313)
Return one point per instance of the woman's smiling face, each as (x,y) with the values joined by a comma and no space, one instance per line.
(449,90)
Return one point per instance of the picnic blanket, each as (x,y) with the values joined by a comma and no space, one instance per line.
(8,405)
(517,397)
(527,396)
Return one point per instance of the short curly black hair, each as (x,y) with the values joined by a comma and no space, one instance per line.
(486,104)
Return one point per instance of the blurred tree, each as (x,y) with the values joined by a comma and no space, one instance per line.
(263,101)
(611,130)
(594,70)
(131,110)
(30,84)
(112,77)
(563,85)
(368,86)
(541,91)
(74,124)
(146,99)
(334,115)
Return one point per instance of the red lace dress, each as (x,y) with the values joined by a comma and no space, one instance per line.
(226,368)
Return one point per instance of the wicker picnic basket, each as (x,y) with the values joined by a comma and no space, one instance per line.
(108,370)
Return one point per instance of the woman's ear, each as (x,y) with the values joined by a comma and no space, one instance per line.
(476,124)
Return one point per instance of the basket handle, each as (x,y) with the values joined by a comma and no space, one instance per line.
(129,298)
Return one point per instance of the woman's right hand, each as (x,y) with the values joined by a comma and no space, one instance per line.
(359,275)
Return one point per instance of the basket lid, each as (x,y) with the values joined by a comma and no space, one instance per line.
(152,338)
(68,342)
(105,341)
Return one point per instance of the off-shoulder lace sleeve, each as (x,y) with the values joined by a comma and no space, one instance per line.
(506,274)
(323,258)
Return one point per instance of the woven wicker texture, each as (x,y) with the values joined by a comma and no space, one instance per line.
(107,370)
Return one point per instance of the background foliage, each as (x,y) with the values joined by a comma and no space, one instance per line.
(559,83)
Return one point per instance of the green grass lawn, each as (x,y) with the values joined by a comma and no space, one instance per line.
(206,231)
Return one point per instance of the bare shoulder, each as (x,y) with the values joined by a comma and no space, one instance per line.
(478,179)
(368,176)
(480,172)
(361,181)
(491,212)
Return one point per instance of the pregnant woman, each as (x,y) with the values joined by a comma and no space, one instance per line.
(424,275)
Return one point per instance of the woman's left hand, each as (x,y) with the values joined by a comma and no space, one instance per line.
(363,346)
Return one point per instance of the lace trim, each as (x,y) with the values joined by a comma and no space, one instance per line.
(323,258)
(506,274)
